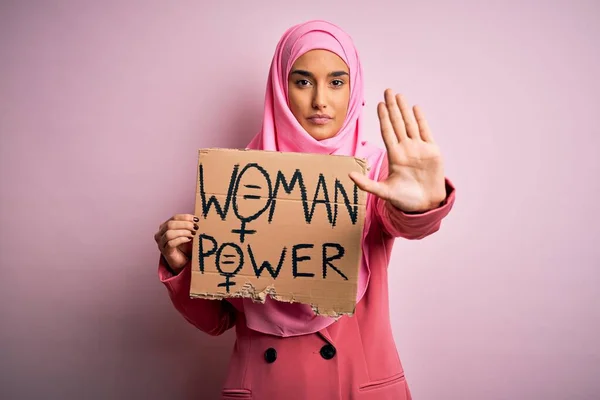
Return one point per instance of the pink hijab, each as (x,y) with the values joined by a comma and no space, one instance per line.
(282,132)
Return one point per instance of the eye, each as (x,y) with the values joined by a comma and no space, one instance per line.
(337,82)
(302,82)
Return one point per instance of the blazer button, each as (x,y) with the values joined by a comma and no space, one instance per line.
(327,352)
(271,355)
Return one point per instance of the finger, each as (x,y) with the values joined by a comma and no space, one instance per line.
(412,129)
(175,235)
(395,115)
(179,217)
(423,125)
(368,185)
(173,244)
(175,225)
(172,224)
(387,130)
(185,217)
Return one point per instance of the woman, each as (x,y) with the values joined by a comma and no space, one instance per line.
(314,104)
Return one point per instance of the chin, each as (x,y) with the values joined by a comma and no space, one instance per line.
(321,134)
(320,137)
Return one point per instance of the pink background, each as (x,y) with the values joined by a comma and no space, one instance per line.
(103,106)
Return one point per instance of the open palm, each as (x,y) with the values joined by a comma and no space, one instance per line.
(416,180)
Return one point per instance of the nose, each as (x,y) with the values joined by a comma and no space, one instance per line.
(318,101)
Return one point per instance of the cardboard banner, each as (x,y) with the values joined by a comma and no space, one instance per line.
(288,225)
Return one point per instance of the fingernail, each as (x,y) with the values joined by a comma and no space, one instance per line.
(193,232)
(196,227)
(196,219)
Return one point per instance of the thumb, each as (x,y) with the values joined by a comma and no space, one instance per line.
(368,185)
(186,248)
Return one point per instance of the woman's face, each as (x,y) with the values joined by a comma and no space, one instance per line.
(319,92)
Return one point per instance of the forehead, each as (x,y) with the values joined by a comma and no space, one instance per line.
(316,60)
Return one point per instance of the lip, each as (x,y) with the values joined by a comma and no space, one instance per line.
(319,119)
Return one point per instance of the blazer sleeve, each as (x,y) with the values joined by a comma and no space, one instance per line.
(398,223)
(213,317)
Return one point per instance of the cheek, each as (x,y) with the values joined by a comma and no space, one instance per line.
(342,102)
(295,101)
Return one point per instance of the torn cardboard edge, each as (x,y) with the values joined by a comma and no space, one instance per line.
(248,292)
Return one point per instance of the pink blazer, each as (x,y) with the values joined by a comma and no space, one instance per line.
(354,358)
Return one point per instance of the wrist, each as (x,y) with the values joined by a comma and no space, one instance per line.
(171,266)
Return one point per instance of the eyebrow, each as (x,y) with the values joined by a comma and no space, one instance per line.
(308,74)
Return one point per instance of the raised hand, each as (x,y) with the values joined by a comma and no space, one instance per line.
(416,181)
